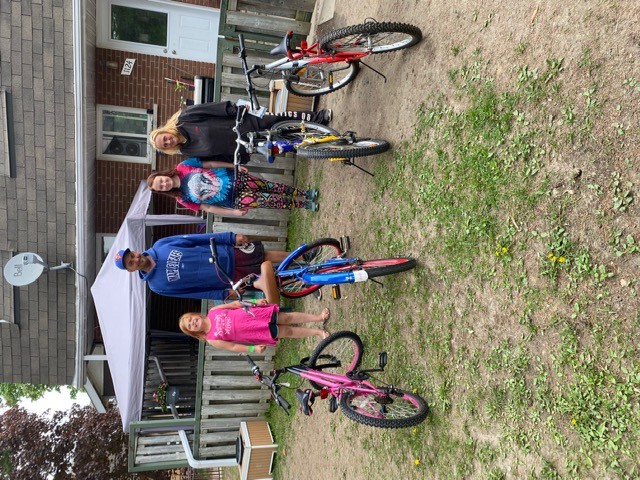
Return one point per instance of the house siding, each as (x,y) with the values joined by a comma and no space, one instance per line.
(36,69)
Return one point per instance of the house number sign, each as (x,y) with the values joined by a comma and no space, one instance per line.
(127,68)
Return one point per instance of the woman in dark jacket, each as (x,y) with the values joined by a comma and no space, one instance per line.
(206,130)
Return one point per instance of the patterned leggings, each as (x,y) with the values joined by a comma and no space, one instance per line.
(255,192)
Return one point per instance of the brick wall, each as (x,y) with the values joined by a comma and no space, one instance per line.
(202,3)
(117,182)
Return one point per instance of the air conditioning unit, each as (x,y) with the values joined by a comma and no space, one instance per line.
(129,147)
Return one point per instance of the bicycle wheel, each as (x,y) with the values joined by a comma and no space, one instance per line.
(385,408)
(342,149)
(321,78)
(376,268)
(315,253)
(371,37)
(339,353)
(293,130)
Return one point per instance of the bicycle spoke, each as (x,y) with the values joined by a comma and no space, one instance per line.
(369,405)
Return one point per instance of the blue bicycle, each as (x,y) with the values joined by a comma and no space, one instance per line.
(324,262)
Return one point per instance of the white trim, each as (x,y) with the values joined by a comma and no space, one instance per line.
(94,396)
(82,288)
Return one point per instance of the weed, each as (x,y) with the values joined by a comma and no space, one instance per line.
(558,252)
(621,193)
(622,246)
(586,62)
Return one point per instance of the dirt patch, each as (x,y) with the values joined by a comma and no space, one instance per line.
(599,38)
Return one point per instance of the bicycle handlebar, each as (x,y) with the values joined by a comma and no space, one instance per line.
(269,382)
(255,105)
(214,260)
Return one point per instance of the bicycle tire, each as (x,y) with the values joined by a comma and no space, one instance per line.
(356,38)
(387,266)
(319,79)
(376,268)
(316,252)
(344,347)
(398,409)
(359,148)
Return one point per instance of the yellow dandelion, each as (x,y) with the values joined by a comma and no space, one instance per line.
(562,259)
(414,430)
(416,462)
(504,250)
(550,255)
(415,390)
(554,258)
(497,253)
(573,421)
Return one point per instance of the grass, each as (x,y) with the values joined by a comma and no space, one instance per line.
(529,362)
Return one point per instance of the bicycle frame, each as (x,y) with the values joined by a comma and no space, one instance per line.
(307,273)
(310,57)
(263,137)
(336,384)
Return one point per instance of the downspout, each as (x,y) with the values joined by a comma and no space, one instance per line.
(81,200)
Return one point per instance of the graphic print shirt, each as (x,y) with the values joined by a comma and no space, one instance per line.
(203,185)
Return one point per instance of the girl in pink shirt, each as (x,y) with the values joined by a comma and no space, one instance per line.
(230,327)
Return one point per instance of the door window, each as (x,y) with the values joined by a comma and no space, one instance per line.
(137,25)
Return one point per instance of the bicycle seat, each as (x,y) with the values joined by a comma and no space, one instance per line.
(267,283)
(306,399)
(285,45)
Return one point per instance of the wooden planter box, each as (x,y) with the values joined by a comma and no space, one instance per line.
(255,451)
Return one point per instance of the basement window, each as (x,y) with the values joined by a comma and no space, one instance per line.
(7,143)
(123,134)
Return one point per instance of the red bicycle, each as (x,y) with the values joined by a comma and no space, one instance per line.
(334,61)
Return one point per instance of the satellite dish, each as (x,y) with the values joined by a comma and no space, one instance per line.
(26,268)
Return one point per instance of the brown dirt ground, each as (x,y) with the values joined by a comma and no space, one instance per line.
(386,110)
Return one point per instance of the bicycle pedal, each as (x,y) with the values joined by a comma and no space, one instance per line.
(333,404)
(335,292)
(345,243)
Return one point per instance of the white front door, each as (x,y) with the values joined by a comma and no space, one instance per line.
(163,28)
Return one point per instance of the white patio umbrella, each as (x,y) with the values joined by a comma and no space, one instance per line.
(120,302)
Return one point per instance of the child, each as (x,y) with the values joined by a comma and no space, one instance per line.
(213,187)
(230,327)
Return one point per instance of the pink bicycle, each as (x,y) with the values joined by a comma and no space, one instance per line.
(332,370)
(334,61)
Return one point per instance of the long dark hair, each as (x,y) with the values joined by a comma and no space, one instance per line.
(174,193)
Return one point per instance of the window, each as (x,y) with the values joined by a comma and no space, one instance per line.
(123,133)
(7,148)
(139,25)
(104,242)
